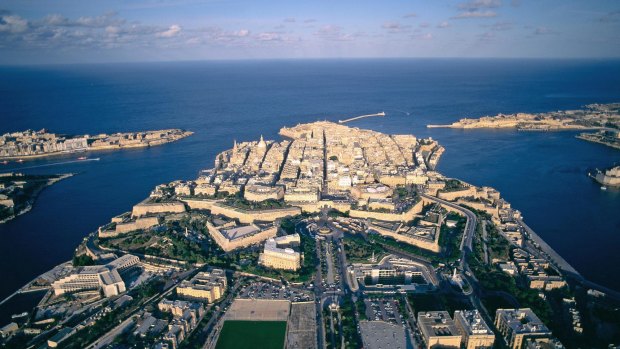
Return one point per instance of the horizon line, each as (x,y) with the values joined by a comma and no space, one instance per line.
(220,60)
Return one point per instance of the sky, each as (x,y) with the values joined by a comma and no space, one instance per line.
(79,31)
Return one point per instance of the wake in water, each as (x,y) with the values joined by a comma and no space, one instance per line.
(402,111)
(52,164)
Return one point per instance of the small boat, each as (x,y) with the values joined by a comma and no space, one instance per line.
(20,160)
(82,158)
(17,316)
(5,162)
(603,188)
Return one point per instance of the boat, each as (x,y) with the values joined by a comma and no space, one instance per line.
(17,316)
(82,158)
(20,160)
(603,188)
(5,162)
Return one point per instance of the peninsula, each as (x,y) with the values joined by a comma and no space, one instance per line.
(331,237)
(19,191)
(32,144)
(605,118)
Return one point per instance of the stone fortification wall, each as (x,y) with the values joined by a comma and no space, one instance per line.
(140,223)
(453,195)
(390,217)
(250,216)
(146,208)
(199,204)
(425,244)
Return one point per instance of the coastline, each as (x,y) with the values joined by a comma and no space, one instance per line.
(35,194)
(97,148)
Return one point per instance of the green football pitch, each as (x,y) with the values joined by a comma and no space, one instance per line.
(252,335)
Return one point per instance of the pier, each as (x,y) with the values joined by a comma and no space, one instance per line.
(360,117)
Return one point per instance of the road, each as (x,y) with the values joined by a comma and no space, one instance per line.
(110,335)
(212,326)
(468,233)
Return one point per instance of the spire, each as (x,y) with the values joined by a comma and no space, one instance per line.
(235,146)
(262,143)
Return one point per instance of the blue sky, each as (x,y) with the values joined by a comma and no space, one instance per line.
(68,31)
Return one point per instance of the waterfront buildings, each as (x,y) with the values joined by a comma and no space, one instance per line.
(438,330)
(205,286)
(278,253)
(42,143)
(97,277)
(611,177)
(517,325)
(476,333)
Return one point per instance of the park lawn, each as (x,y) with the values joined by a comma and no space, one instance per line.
(237,334)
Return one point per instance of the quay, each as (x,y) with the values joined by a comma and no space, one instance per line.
(360,117)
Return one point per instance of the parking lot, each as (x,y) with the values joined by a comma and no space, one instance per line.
(383,310)
(268,290)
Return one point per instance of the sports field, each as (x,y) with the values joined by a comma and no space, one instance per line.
(238,334)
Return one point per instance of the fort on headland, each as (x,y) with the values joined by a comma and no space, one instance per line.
(604,118)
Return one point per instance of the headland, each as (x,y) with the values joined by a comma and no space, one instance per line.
(324,231)
(602,117)
(35,144)
(19,191)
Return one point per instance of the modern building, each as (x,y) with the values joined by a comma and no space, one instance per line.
(517,325)
(205,286)
(438,330)
(279,254)
(476,333)
(97,277)
(395,274)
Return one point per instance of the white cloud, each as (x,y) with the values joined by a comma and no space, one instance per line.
(443,24)
(269,36)
(174,30)
(335,33)
(476,5)
(242,33)
(395,27)
(410,15)
(475,14)
(12,24)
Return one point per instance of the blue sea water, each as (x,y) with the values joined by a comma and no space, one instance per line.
(541,174)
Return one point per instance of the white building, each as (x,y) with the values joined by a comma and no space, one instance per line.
(97,277)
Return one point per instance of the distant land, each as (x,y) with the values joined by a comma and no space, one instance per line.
(19,191)
(34,144)
(605,118)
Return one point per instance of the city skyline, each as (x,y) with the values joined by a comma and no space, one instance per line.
(120,31)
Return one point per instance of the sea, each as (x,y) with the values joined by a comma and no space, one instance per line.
(542,174)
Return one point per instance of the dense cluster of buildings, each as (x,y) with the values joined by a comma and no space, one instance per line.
(37,143)
(185,318)
(321,164)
